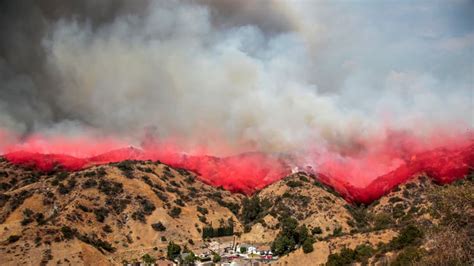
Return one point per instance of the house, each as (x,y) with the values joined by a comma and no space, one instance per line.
(252,250)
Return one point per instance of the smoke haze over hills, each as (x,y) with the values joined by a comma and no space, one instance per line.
(360,85)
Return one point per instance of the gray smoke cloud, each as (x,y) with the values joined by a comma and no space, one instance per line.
(266,75)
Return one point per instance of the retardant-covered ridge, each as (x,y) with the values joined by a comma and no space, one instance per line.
(251,172)
(441,165)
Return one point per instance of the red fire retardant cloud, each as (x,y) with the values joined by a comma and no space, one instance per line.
(250,172)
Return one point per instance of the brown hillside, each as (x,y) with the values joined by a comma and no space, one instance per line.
(107,211)
(109,214)
(303,198)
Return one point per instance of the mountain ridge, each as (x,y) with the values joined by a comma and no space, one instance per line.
(250,172)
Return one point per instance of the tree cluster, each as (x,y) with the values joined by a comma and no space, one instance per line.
(291,236)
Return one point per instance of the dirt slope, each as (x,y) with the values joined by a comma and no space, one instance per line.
(107,211)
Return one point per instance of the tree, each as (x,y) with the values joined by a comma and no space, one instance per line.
(243,249)
(283,244)
(173,250)
(289,225)
(253,209)
(223,230)
(290,236)
(308,246)
(301,234)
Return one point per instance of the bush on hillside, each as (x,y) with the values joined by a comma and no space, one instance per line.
(158,227)
(175,212)
(173,250)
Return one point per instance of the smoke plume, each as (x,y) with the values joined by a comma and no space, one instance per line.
(354,89)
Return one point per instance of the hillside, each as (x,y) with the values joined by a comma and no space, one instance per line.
(419,222)
(117,212)
(107,212)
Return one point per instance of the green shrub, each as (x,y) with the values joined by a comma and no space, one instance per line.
(308,246)
(202,219)
(202,210)
(89,183)
(147,259)
(216,257)
(173,250)
(294,183)
(126,165)
(175,212)
(190,179)
(27,216)
(101,214)
(117,205)
(106,228)
(179,202)
(139,215)
(317,230)
(39,218)
(62,189)
(110,188)
(337,231)
(68,233)
(13,238)
(158,227)
(83,208)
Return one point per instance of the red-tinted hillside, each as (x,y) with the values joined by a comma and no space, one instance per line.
(252,171)
(442,165)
